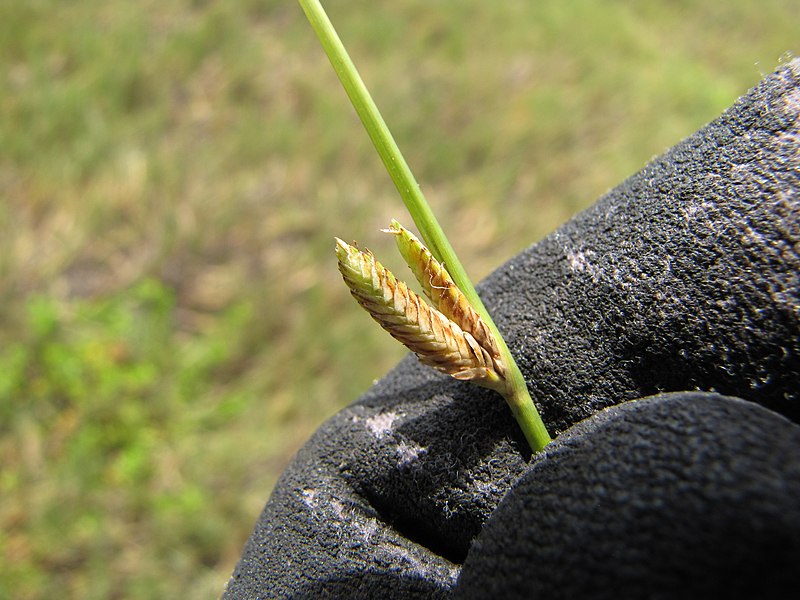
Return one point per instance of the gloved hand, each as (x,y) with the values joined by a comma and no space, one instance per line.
(684,495)
(685,277)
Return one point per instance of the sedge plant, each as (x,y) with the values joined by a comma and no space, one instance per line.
(455,333)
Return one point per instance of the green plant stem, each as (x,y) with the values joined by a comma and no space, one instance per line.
(519,399)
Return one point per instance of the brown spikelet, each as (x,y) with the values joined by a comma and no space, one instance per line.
(438,341)
(442,291)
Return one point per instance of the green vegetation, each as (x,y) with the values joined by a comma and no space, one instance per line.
(172,325)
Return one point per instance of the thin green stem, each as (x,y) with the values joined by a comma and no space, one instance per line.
(519,400)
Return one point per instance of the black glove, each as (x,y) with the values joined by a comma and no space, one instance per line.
(685,277)
(684,495)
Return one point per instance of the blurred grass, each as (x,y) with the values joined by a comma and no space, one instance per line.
(172,325)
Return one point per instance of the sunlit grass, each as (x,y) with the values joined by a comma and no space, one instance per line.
(172,324)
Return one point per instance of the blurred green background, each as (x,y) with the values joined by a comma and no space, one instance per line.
(172,323)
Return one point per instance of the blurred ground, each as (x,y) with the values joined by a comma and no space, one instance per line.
(172,324)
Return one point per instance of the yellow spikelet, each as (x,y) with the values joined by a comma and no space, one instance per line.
(442,291)
(438,341)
